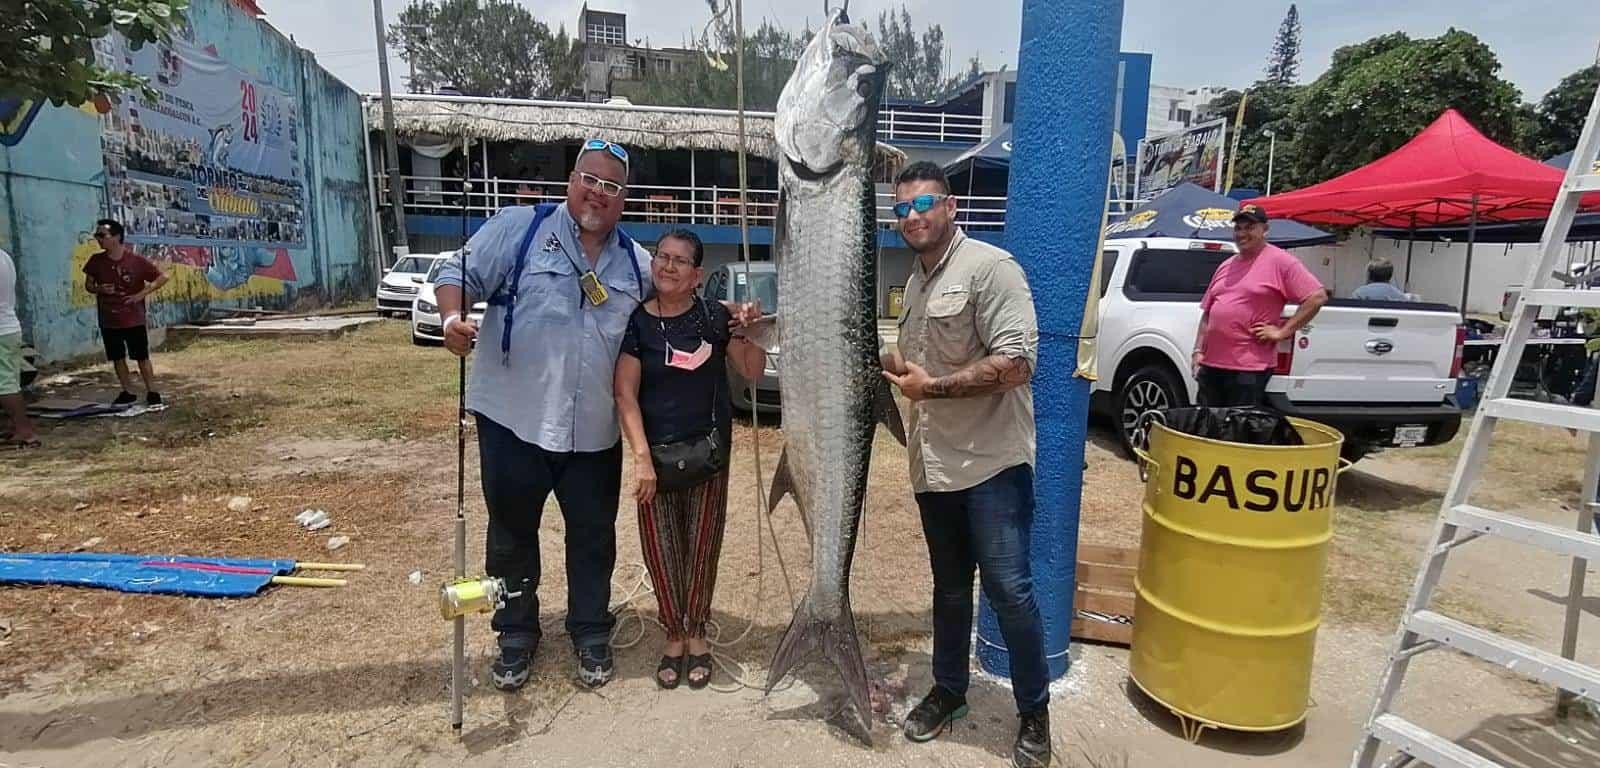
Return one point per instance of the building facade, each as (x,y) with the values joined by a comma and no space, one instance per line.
(246,181)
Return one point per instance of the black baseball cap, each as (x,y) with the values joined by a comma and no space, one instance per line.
(1251,212)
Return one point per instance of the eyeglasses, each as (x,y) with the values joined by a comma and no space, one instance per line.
(597,184)
(677,261)
(616,150)
(920,204)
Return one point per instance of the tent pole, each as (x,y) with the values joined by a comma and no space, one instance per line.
(1411,241)
(1472,236)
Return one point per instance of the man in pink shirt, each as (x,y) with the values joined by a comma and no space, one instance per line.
(1241,319)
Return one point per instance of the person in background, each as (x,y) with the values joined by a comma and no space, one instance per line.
(22,434)
(121,280)
(1379,287)
(672,385)
(1241,321)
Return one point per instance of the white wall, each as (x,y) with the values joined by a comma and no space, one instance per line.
(1436,268)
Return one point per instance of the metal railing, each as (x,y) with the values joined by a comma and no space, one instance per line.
(899,125)
(656,203)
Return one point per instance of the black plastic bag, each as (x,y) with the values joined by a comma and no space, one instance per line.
(1252,426)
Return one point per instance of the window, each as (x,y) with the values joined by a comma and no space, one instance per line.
(1108,262)
(1011,103)
(1172,275)
(596,55)
(603,33)
(1184,116)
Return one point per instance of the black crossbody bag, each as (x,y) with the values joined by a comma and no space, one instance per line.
(683,464)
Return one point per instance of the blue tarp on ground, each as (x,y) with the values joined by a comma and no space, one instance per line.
(150,574)
(1192,211)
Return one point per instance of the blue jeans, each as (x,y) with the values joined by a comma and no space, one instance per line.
(517,478)
(985,527)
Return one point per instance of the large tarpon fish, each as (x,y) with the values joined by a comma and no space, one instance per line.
(833,392)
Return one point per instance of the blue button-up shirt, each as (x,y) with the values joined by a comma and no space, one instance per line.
(554,389)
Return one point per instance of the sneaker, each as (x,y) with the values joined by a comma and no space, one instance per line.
(1033,740)
(594,666)
(152,398)
(510,671)
(126,398)
(934,713)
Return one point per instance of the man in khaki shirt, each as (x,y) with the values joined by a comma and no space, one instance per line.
(968,344)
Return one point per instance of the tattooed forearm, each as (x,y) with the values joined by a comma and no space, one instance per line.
(992,374)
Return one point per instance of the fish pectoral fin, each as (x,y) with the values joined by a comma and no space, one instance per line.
(783,485)
(888,412)
(762,332)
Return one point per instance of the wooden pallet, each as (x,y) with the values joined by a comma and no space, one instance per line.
(1105,585)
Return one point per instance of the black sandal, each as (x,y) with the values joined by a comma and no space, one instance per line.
(675,665)
(702,661)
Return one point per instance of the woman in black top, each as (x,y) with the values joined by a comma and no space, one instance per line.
(671,385)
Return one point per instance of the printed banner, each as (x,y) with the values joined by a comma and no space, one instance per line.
(214,161)
(1193,155)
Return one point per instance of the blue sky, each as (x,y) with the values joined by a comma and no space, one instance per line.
(1220,42)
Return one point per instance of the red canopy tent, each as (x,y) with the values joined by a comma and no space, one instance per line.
(1447,174)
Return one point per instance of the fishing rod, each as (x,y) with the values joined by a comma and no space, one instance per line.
(458,659)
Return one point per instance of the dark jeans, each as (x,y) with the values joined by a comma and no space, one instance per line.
(1220,387)
(985,527)
(517,478)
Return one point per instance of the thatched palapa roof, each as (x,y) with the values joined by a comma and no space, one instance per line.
(631,125)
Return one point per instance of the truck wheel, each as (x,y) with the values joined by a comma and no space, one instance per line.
(1148,390)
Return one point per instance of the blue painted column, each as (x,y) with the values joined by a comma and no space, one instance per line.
(1066,80)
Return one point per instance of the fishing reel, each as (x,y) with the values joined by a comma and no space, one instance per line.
(466,596)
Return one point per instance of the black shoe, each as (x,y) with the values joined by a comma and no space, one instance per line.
(510,671)
(126,398)
(934,713)
(1033,740)
(594,666)
(152,398)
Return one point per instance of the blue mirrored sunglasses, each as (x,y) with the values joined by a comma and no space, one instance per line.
(616,150)
(920,203)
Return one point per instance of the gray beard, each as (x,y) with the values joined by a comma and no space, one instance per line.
(589,222)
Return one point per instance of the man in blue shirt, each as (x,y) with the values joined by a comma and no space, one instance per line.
(541,391)
(1379,288)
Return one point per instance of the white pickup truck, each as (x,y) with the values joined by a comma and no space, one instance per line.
(1383,373)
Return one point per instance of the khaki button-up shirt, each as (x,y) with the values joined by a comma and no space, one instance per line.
(974,303)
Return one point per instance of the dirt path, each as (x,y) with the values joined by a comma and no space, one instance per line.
(358,676)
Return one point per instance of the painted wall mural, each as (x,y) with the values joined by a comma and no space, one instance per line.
(206,177)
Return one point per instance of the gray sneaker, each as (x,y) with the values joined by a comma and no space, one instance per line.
(510,671)
(594,666)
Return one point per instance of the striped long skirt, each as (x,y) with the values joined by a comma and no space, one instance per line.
(681,535)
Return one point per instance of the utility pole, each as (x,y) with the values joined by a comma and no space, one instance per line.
(397,195)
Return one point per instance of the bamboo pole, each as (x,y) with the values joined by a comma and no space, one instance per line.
(305,581)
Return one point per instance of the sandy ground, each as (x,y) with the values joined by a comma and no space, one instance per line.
(361,427)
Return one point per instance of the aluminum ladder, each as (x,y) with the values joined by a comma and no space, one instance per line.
(1422,629)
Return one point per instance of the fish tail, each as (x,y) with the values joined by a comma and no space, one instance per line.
(837,640)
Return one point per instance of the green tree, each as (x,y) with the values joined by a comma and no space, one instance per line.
(1562,111)
(47,46)
(485,48)
(1283,65)
(916,63)
(770,54)
(1269,108)
(1378,94)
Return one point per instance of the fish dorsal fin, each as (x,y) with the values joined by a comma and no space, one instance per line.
(783,485)
(888,412)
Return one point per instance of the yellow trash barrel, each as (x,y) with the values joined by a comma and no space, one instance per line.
(1229,587)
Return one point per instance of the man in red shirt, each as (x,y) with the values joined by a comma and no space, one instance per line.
(1241,319)
(120,280)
